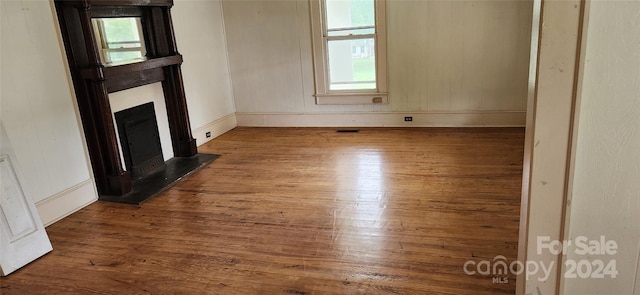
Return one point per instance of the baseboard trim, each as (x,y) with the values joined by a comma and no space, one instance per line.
(386,119)
(217,128)
(67,202)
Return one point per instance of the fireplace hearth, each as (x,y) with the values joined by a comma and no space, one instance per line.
(161,179)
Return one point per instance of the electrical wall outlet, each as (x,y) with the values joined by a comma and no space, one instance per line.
(208,134)
(408,119)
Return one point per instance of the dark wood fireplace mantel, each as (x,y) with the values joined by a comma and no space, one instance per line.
(93,81)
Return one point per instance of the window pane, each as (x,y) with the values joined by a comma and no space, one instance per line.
(121,30)
(350,13)
(352,64)
(117,56)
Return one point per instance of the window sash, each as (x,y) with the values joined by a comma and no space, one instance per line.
(328,38)
(335,82)
(351,37)
(341,32)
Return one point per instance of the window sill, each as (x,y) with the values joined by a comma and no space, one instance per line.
(352,98)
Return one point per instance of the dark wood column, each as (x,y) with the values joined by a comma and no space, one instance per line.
(93,99)
(118,181)
(184,145)
(93,81)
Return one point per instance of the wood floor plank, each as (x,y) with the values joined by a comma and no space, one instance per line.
(304,211)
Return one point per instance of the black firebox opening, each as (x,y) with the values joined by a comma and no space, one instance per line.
(140,140)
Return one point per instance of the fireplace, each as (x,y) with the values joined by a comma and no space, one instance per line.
(142,176)
(140,140)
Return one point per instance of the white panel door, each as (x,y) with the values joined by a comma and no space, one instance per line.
(22,235)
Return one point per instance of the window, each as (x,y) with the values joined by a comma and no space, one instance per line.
(120,39)
(349,50)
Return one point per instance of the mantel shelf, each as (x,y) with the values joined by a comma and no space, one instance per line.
(101,72)
(154,63)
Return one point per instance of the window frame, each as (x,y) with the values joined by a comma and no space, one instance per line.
(320,39)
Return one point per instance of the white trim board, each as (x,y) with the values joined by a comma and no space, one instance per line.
(217,128)
(386,119)
(67,202)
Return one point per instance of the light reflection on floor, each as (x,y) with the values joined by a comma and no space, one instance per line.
(360,204)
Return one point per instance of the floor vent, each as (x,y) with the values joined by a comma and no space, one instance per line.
(347,130)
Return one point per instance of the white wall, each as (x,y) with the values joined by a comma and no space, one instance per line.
(200,35)
(265,41)
(606,194)
(38,111)
(457,57)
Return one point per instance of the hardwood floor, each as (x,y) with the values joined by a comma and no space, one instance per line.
(304,211)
